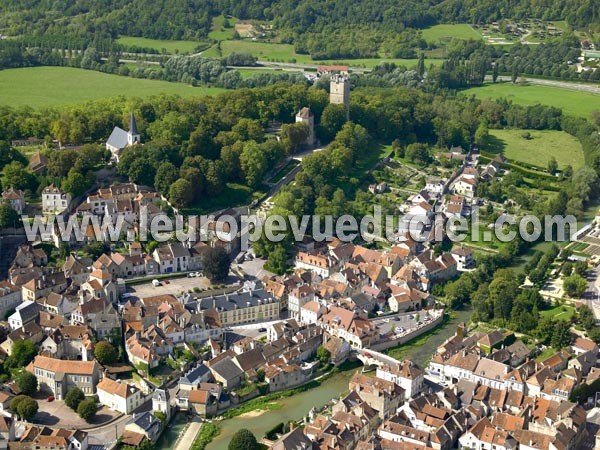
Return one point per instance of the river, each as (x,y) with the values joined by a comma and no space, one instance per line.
(292,408)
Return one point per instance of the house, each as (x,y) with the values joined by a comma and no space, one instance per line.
(15,199)
(280,329)
(54,200)
(407,374)
(120,139)
(194,377)
(490,341)
(382,395)
(145,423)
(311,312)
(298,297)
(38,163)
(70,342)
(44,438)
(350,326)
(10,297)
(58,376)
(294,440)
(286,376)
(226,372)
(173,257)
(119,396)
(484,436)
(464,258)
(317,261)
(205,400)
(435,185)
(26,312)
(583,345)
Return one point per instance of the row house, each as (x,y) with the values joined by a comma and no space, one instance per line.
(350,326)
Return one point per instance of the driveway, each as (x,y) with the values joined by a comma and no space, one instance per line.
(58,414)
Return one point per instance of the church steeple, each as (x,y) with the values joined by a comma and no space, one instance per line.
(132,125)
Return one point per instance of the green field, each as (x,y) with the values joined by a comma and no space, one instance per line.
(445,32)
(265,51)
(52,86)
(542,145)
(572,102)
(163,46)
(218,32)
(249,73)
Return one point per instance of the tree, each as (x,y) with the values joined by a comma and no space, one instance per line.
(561,337)
(278,259)
(24,406)
(294,135)
(332,121)
(586,317)
(74,397)
(421,65)
(17,176)
(166,175)
(417,153)
(243,439)
(323,355)
(105,353)
(482,135)
(575,285)
(253,162)
(216,263)
(181,193)
(22,354)
(75,183)
(27,382)
(87,409)
(552,165)
(8,216)
(495,72)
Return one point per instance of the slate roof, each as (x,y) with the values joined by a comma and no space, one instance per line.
(227,369)
(118,138)
(240,299)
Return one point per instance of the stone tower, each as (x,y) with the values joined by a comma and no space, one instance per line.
(306,116)
(339,92)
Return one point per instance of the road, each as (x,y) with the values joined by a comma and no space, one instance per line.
(589,88)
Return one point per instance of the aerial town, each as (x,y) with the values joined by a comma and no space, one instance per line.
(315,225)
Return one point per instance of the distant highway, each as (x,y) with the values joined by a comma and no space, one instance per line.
(589,88)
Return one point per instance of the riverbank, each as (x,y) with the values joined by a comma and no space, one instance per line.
(288,405)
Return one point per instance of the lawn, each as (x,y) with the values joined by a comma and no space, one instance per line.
(163,46)
(52,86)
(564,312)
(249,73)
(542,145)
(547,353)
(445,32)
(572,102)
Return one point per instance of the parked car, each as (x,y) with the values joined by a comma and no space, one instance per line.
(50,398)
(262,330)
(156,283)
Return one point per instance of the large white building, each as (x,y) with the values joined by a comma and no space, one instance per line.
(118,396)
(120,139)
(54,200)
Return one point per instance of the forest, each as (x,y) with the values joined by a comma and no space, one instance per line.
(323,28)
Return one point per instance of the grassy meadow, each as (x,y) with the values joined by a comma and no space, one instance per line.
(445,32)
(572,102)
(163,46)
(542,145)
(52,86)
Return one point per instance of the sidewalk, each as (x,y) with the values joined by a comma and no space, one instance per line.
(187,439)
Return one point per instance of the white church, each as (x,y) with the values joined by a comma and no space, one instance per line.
(120,139)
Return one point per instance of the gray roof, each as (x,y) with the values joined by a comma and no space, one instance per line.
(118,138)
(132,125)
(294,440)
(29,312)
(241,299)
(195,375)
(178,250)
(227,369)
(147,422)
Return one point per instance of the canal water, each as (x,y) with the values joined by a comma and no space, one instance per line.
(174,428)
(292,408)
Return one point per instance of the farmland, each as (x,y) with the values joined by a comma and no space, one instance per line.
(539,147)
(51,86)
(570,101)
